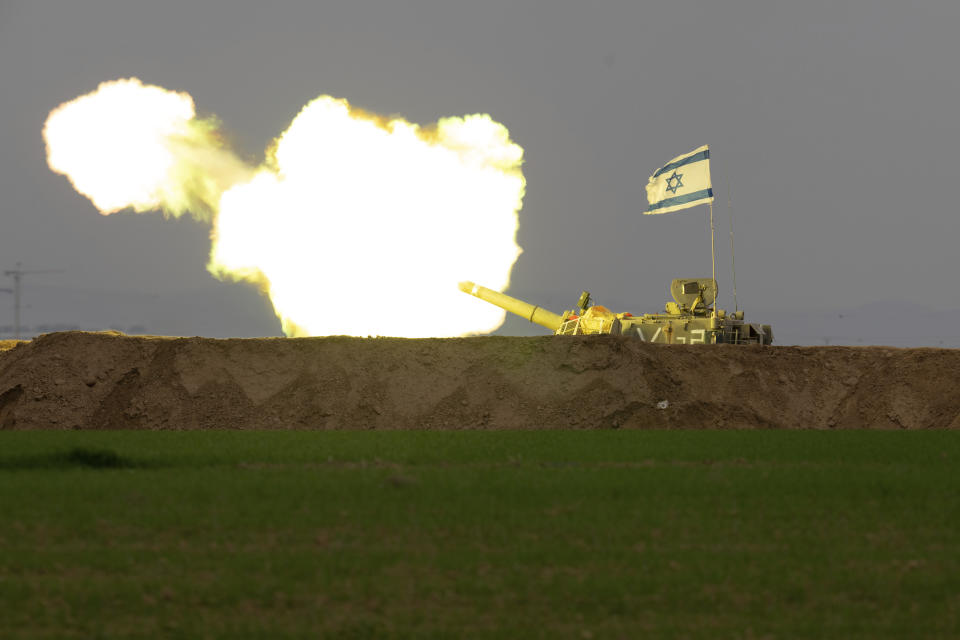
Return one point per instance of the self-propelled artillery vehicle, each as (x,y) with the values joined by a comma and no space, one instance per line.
(689,319)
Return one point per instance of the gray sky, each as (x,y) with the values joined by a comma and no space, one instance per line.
(834,123)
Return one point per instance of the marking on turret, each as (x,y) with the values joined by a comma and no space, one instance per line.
(654,338)
(703,336)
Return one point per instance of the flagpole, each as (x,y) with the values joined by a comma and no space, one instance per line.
(713,261)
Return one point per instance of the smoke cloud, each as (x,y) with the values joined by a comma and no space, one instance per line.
(354,224)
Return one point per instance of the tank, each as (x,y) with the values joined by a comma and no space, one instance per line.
(689,319)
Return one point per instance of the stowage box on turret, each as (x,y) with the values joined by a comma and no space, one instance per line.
(689,319)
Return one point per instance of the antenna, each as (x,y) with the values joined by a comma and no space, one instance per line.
(733,262)
(17,275)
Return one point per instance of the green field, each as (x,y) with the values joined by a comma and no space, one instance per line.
(572,534)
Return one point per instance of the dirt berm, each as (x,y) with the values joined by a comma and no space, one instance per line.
(77,380)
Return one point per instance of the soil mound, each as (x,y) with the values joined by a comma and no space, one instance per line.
(8,344)
(78,380)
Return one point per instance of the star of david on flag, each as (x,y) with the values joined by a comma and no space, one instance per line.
(681,183)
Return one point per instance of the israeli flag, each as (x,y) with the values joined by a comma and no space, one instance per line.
(683,182)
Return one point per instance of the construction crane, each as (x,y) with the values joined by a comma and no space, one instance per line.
(17,275)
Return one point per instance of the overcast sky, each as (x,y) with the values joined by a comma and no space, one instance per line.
(834,123)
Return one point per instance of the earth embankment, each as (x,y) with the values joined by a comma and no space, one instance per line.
(78,380)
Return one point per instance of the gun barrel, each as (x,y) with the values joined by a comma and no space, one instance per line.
(531,312)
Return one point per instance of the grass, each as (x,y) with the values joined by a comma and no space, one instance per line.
(578,534)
